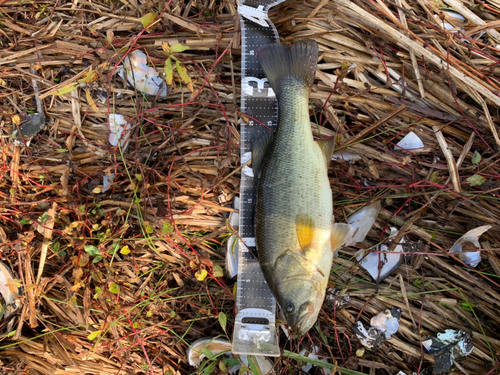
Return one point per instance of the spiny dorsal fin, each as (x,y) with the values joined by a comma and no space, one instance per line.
(327,146)
(340,233)
(304,225)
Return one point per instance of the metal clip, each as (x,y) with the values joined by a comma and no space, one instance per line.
(256,333)
(257,15)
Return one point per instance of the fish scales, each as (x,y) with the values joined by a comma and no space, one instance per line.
(294,212)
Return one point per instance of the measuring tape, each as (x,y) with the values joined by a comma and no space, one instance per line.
(254,328)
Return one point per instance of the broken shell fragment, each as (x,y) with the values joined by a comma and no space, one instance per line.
(448,348)
(117,125)
(455,18)
(10,290)
(411,141)
(362,221)
(143,77)
(382,327)
(471,258)
(312,354)
(216,346)
(33,124)
(346,156)
(232,246)
(390,261)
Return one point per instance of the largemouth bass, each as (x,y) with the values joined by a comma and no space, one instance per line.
(295,232)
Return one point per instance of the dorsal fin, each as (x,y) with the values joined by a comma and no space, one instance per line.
(260,144)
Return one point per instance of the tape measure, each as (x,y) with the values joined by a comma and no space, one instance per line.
(255,328)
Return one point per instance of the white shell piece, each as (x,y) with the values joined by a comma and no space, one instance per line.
(362,221)
(9,290)
(455,18)
(216,346)
(364,337)
(450,336)
(265,365)
(472,258)
(386,323)
(345,155)
(143,77)
(232,246)
(117,125)
(390,261)
(309,366)
(427,344)
(411,141)
(107,180)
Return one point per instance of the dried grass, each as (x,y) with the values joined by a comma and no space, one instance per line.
(385,68)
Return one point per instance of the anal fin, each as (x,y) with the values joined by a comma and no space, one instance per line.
(327,146)
(340,233)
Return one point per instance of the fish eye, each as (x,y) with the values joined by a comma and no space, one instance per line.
(289,307)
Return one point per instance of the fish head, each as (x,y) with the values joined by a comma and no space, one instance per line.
(301,302)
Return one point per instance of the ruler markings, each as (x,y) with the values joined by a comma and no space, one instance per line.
(254,298)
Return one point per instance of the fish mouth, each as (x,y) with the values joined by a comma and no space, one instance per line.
(306,320)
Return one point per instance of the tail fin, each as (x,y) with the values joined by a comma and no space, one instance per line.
(297,61)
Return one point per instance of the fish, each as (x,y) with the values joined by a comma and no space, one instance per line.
(295,233)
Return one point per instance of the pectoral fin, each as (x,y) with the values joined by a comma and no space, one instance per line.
(340,233)
(304,225)
(327,146)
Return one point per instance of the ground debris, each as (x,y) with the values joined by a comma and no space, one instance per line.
(107,244)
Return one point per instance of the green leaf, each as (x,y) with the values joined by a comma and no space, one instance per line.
(253,365)
(94,335)
(209,369)
(97,259)
(169,71)
(476,180)
(222,367)
(166,228)
(178,48)
(91,250)
(10,334)
(230,362)
(25,221)
(467,306)
(113,288)
(98,292)
(147,19)
(67,89)
(125,250)
(223,320)
(476,158)
(114,248)
(434,177)
(182,71)
(207,353)
(200,275)
(218,271)
(149,229)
